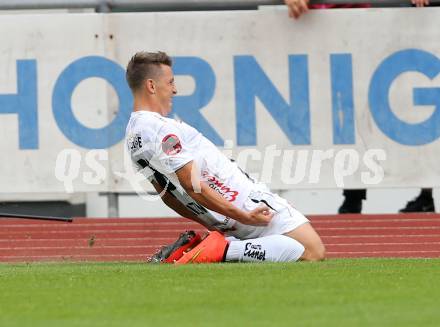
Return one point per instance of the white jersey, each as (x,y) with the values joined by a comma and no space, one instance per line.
(167,145)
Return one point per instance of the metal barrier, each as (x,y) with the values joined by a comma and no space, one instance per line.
(175,5)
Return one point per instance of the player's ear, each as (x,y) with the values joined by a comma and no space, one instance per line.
(150,86)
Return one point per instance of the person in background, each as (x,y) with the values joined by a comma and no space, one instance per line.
(424,202)
(298,7)
(353,198)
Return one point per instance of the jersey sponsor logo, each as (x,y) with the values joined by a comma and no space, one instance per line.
(255,251)
(220,187)
(171,145)
(134,142)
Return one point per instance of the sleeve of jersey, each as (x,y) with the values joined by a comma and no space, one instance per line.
(171,152)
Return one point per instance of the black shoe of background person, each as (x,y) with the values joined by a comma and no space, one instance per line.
(353,201)
(419,204)
(351,206)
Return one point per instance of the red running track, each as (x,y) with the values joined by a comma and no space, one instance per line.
(133,239)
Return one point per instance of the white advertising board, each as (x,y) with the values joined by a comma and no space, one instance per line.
(340,98)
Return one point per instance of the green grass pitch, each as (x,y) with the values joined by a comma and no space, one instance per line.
(358,292)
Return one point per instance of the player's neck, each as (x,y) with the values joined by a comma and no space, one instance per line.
(142,104)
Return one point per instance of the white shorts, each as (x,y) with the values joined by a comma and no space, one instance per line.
(285,219)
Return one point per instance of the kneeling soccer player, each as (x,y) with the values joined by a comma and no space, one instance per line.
(258,225)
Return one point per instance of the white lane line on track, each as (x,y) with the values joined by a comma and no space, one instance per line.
(159,239)
(72,258)
(82,247)
(145,224)
(179,230)
(156,245)
(384,244)
(60,225)
(381,228)
(336,221)
(382,252)
(97,231)
(76,255)
(383,236)
(85,239)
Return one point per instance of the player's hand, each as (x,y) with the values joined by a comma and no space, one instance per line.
(260,216)
(420,3)
(299,7)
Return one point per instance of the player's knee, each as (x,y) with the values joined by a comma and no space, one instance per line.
(315,253)
(319,254)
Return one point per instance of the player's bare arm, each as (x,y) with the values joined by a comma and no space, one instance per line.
(175,205)
(210,199)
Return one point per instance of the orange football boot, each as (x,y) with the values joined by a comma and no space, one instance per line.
(211,249)
(173,252)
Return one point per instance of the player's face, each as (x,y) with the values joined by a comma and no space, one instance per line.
(166,89)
